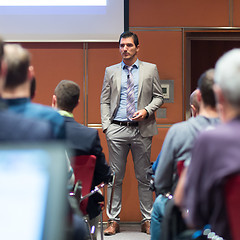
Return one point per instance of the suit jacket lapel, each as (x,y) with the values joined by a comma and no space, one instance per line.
(119,78)
(141,77)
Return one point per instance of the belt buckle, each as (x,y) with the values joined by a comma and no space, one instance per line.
(128,124)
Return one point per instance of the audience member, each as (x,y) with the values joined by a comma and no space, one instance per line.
(16,91)
(216,153)
(17,95)
(82,140)
(14,127)
(194,107)
(130,96)
(177,147)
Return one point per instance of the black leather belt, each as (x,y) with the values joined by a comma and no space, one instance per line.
(125,123)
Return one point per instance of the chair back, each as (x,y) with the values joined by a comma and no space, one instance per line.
(180,167)
(83,167)
(232,198)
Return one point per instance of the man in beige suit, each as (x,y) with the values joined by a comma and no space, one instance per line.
(131,94)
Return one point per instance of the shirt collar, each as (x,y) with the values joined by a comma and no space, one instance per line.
(65,113)
(16,101)
(135,65)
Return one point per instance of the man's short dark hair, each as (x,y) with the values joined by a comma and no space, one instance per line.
(130,34)
(67,93)
(205,85)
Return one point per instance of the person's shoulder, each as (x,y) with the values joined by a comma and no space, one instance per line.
(195,121)
(16,127)
(201,123)
(179,126)
(113,67)
(45,111)
(40,130)
(43,108)
(182,129)
(84,129)
(147,64)
(223,131)
(89,129)
(219,133)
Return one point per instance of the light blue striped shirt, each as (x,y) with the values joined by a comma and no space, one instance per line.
(121,114)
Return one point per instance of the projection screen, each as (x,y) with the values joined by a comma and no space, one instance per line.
(61,20)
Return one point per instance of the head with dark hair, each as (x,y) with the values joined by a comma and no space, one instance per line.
(130,34)
(205,85)
(18,62)
(128,47)
(67,95)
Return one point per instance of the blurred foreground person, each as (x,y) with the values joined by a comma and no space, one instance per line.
(16,91)
(216,153)
(177,148)
(14,127)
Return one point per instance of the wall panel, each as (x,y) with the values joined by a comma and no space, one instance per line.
(164,48)
(54,62)
(236,15)
(100,56)
(174,13)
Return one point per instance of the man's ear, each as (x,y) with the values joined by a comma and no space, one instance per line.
(78,102)
(199,95)
(30,73)
(193,110)
(54,101)
(138,47)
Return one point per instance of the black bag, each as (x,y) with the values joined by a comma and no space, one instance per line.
(174,227)
(172,223)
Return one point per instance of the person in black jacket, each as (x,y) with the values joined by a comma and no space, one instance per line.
(82,140)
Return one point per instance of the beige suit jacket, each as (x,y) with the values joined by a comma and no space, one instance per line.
(150,96)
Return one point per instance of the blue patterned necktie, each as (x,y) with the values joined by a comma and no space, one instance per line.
(130,94)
